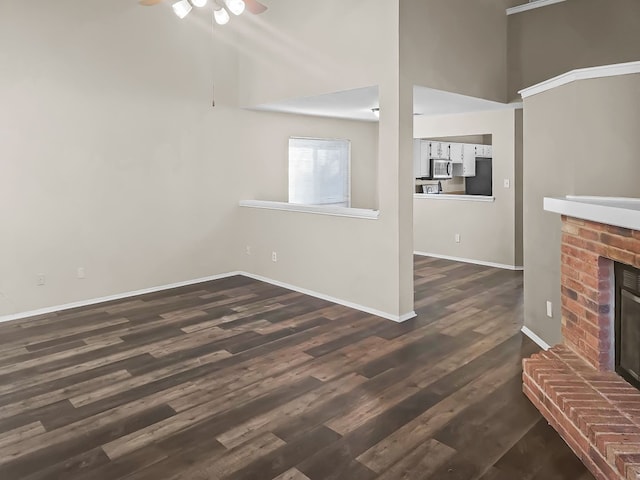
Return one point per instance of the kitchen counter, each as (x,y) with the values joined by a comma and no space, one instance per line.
(453,196)
(617,211)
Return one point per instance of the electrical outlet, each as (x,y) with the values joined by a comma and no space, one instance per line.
(80,273)
(549,309)
(248,250)
(41,279)
(274,256)
(457,238)
(507,183)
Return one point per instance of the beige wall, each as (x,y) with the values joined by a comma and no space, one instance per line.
(301,54)
(549,41)
(265,158)
(303,48)
(582,139)
(364,262)
(111,156)
(456,45)
(487,230)
(518,185)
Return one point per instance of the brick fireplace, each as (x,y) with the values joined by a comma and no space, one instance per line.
(574,384)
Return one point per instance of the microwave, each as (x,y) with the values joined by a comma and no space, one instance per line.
(441,169)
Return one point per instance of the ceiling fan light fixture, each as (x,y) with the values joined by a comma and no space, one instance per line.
(235,6)
(199,3)
(182,8)
(221,16)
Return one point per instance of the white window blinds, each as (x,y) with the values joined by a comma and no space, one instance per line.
(319,171)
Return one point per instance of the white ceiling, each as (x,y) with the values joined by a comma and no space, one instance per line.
(356,104)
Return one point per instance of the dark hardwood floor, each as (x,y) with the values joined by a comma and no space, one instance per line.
(238,379)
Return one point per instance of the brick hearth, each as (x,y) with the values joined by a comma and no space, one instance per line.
(574,386)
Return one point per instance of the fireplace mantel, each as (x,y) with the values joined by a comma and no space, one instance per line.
(617,211)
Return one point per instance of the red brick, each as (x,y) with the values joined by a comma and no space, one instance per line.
(592,329)
(636,234)
(583,244)
(575,221)
(595,431)
(590,304)
(574,306)
(619,255)
(626,459)
(570,250)
(589,234)
(601,320)
(624,396)
(584,421)
(624,232)
(609,471)
(567,271)
(632,472)
(572,294)
(605,439)
(621,242)
(597,343)
(570,228)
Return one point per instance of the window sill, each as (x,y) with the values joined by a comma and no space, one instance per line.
(463,198)
(315,209)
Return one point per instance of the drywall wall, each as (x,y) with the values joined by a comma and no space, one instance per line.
(368,263)
(579,139)
(518,185)
(487,230)
(456,45)
(546,42)
(112,157)
(302,48)
(266,156)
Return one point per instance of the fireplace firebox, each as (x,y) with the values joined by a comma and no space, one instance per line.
(627,323)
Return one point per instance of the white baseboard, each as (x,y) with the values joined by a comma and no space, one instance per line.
(339,301)
(120,296)
(535,338)
(117,296)
(469,260)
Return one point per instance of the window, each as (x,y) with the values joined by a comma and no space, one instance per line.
(319,171)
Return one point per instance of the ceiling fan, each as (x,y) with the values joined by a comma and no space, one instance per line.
(221,8)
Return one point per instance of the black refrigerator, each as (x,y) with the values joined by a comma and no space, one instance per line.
(482,183)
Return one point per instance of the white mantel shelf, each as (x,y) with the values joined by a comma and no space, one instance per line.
(531,6)
(620,212)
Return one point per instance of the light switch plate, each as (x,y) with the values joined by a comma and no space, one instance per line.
(507,183)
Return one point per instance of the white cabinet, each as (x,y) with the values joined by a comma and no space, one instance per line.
(456,153)
(439,150)
(462,155)
(420,158)
(469,161)
(468,166)
(485,151)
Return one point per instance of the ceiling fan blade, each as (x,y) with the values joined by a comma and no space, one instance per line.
(255,7)
(149,3)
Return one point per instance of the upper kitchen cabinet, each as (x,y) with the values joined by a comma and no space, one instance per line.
(439,150)
(466,168)
(421,153)
(456,152)
(484,151)
(469,160)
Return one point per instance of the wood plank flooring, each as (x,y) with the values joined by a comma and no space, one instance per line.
(238,379)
